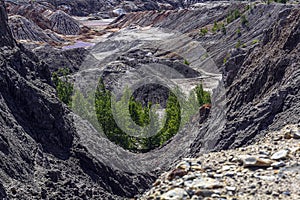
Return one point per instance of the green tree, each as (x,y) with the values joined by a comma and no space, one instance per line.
(64,87)
(203,97)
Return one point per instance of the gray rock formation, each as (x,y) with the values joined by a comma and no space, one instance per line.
(262,81)
(41,155)
(64,24)
(48,152)
(59,58)
(87,7)
(24,29)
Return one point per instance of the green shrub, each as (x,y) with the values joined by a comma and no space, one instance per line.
(238,32)
(223,29)
(186,62)
(215,28)
(255,41)
(244,20)
(203,31)
(64,87)
(203,97)
(233,15)
(238,44)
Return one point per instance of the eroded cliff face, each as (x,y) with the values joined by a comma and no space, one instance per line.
(261,76)
(45,154)
(40,152)
(87,7)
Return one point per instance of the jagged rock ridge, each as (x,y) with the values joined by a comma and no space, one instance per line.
(23,29)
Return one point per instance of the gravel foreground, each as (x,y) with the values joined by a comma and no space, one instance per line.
(268,169)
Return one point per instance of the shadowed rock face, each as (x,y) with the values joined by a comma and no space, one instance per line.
(5,34)
(40,154)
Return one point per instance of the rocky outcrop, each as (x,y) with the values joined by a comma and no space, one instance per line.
(36,21)
(265,170)
(87,7)
(23,29)
(58,58)
(41,155)
(36,13)
(63,23)
(271,76)
(5,33)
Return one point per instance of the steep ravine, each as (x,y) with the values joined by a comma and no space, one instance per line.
(261,78)
(44,155)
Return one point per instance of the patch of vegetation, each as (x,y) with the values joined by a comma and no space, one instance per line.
(215,28)
(244,20)
(226,58)
(233,15)
(223,28)
(238,32)
(64,87)
(255,41)
(238,44)
(204,56)
(203,31)
(186,62)
(146,117)
(203,97)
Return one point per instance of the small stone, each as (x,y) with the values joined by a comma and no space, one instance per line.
(264,153)
(268,192)
(267,178)
(204,183)
(278,164)
(287,193)
(189,177)
(277,138)
(177,182)
(287,135)
(239,174)
(218,175)
(195,198)
(184,165)
(295,134)
(230,174)
(204,193)
(177,173)
(232,189)
(252,161)
(282,154)
(275,194)
(294,150)
(196,167)
(215,196)
(174,194)
(157,182)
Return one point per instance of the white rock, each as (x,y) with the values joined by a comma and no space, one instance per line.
(282,154)
(252,161)
(278,164)
(175,194)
